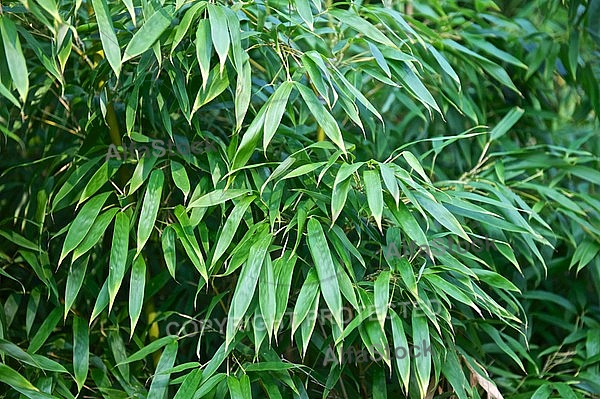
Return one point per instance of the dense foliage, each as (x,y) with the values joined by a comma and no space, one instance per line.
(251,199)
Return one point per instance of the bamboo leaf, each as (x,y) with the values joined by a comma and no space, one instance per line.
(203,49)
(326,271)
(82,224)
(168,247)
(149,33)
(42,334)
(323,118)
(15,59)
(118,256)
(374,195)
(110,43)
(420,334)
(160,383)
(230,227)
(277,104)
(150,207)
(244,290)
(137,284)
(74,282)
(219,32)
(381,293)
(81,351)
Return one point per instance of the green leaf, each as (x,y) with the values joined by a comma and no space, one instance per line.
(109,40)
(379,384)
(8,95)
(216,197)
(266,295)
(361,25)
(82,224)
(118,256)
(584,254)
(150,207)
(565,391)
(305,12)
(19,240)
(409,224)
(506,123)
(101,302)
(381,293)
(374,195)
(452,370)
(98,179)
(185,232)
(277,103)
(81,351)
(37,361)
(284,270)
(493,69)
(414,163)
(415,86)
(96,231)
(249,139)
(189,385)
(142,170)
(75,178)
(203,49)
(239,389)
(219,32)
(149,33)
(160,383)
(338,198)
(380,59)
(400,341)
(230,227)
(543,392)
(15,59)
(168,247)
(217,84)
(489,48)
(420,334)
(442,215)
(150,348)
(326,271)
(305,299)
(20,383)
(322,116)
(308,325)
(441,60)
(74,282)
(137,283)
(180,178)
(246,285)
(341,186)
(186,22)
(389,179)
(45,330)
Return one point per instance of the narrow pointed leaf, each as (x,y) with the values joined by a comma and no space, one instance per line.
(374,195)
(326,271)
(82,224)
(109,40)
(150,207)
(81,351)
(137,284)
(118,255)
(15,59)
